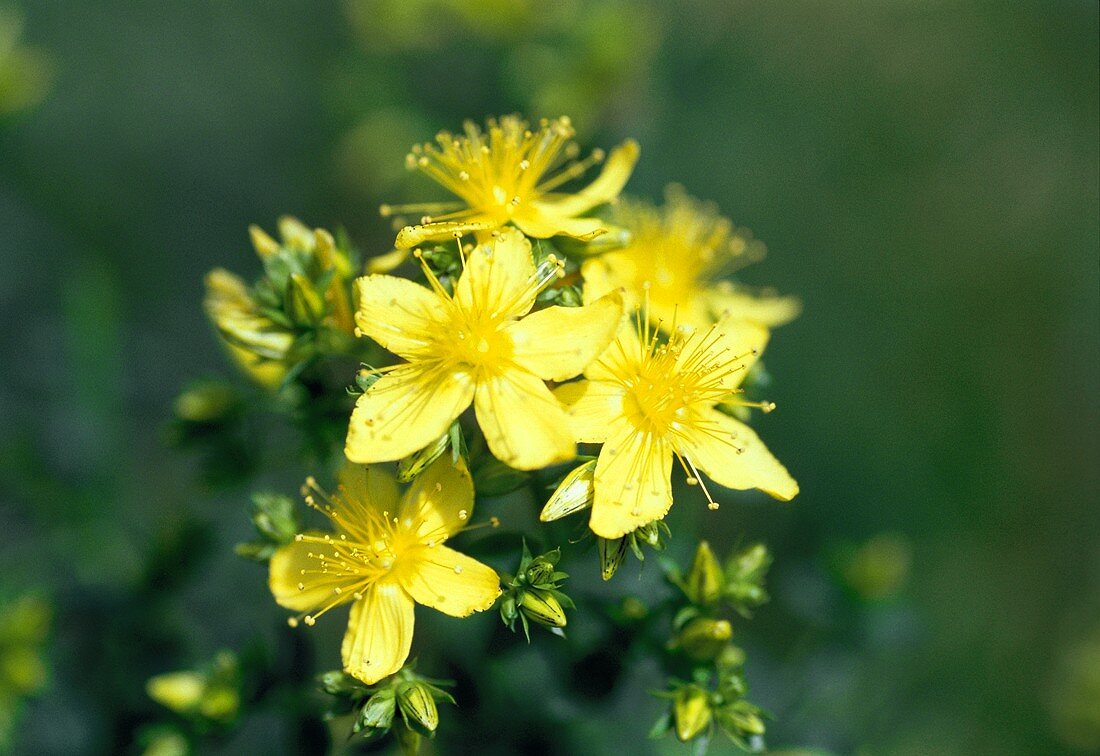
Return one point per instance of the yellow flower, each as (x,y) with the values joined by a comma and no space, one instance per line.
(677,254)
(508,174)
(648,402)
(476,346)
(387,553)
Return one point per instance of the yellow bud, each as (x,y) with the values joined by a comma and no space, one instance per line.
(542,607)
(179,691)
(295,234)
(691,713)
(704,638)
(264,245)
(574,494)
(418,707)
(704,581)
(303,303)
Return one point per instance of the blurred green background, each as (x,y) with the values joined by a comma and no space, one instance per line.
(925,175)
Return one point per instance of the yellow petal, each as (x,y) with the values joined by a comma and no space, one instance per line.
(404,411)
(738,343)
(767,310)
(286,575)
(451,582)
(499,278)
(440,500)
(559,342)
(379,635)
(411,236)
(713,448)
(364,492)
(400,315)
(607,186)
(632,482)
(369,484)
(524,425)
(542,223)
(622,356)
(592,406)
(607,273)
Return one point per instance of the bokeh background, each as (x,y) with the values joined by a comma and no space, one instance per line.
(925,175)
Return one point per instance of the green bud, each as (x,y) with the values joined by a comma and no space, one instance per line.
(304,304)
(274,517)
(573,494)
(704,638)
(543,607)
(741,718)
(412,465)
(731,657)
(377,713)
(542,572)
(690,712)
(418,707)
(612,553)
(749,564)
(704,582)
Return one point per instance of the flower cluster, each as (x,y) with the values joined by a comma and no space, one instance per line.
(570,320)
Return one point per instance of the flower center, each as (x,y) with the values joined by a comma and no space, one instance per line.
(481,346)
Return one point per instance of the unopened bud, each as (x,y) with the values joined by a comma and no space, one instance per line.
(690,712)
(264,245)
(574,494)
(704,582)
(705,638)
(741,717)
(304,304)
(542,607)
(412,465)
(418,707)
(612,553)
(179,691)
(295,234)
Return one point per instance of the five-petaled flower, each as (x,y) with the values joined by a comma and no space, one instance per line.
(508,174)
(674,260)
(648,402)
(476,346)
(386,554)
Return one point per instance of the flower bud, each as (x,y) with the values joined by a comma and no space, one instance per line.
(179,691)
(690,712)
(542,607)
(418,707)
(650,534)
(295,234)
(264,245)
(412,465)
(703,583)
(742,718)
(542,570)
(612,553)
(749,564)
(704,638)
(303,302)
(574,494)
